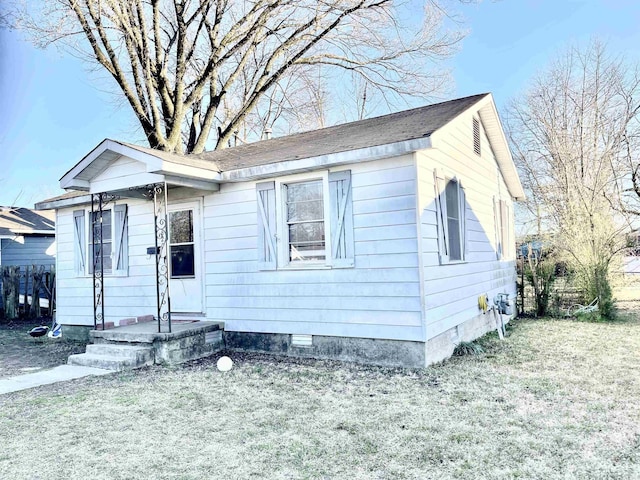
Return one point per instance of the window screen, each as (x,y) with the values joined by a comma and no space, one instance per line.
(305,221)
(453,220)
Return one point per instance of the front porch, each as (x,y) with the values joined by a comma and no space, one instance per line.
(140,344)
(118,177)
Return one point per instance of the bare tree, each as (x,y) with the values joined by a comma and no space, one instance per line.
(626,196)
(194,71)
(569,133)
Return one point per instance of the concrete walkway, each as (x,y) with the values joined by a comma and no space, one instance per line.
(47,377)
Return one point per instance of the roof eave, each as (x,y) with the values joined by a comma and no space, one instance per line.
(330,160)
(63,203)
(493,127)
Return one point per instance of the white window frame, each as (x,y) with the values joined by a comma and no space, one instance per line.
(282,232)
(193,242)
(462,224)
(442,178)
(503,225)
(88,231)
(88,255)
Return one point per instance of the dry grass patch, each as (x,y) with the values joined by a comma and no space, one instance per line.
(20,353)
(557,399)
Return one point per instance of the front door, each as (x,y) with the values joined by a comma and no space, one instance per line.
(185,269)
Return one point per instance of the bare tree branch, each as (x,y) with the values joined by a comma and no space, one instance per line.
(194,71)
(571,139)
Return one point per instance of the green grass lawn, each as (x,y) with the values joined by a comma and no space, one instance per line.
(557,399)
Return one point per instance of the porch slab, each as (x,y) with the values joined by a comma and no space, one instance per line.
(147,332)
(189,340)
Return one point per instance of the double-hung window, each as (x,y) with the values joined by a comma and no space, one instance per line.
(110,255)
(305,221)
(450,218)
(304,217)
(100,252)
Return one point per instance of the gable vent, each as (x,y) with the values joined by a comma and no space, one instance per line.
(476,135)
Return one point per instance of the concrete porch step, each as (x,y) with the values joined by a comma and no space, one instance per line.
(114,357)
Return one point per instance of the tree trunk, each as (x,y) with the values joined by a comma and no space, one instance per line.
(38,275)
(11,292)
(49,285)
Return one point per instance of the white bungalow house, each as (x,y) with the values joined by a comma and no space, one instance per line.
(370,241)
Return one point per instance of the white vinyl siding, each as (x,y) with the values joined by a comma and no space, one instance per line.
(125,296)
(122,174)
(377,297)
(451,289)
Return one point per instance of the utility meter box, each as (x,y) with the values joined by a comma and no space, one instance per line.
(503,303)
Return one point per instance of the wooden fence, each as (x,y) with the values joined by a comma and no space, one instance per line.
(27,291)
(562,293)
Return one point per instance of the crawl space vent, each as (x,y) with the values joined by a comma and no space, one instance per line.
(213,337)
(301,340)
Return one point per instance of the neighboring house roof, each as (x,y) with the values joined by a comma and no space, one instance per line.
(23,221)
(363,140)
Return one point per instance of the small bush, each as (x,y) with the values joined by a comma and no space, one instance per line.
(467,348)
(540,272)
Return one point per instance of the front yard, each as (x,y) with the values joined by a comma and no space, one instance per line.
(557,399)
(20,353)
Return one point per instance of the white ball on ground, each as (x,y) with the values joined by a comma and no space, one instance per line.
(224,364)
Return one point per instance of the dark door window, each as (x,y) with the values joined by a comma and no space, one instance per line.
(181,244)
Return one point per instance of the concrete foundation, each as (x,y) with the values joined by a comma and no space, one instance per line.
(77,333)
(389,353)
(441,347)
(190,341)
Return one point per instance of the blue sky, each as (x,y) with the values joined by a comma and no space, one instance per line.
(52,113)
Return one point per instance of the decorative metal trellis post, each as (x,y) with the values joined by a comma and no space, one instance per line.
(98,202)
(159,191)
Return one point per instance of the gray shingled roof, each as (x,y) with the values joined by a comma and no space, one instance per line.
(387,129)
(392,128)
(23,221)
